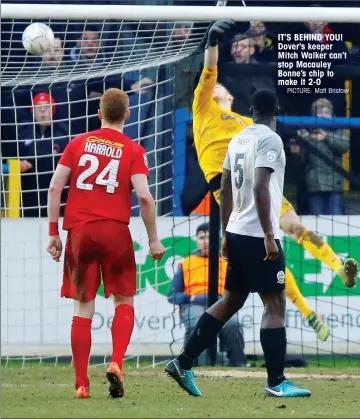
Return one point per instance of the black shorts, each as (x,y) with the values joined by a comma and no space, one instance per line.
(247,271)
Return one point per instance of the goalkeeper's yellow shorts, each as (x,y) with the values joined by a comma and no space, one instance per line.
(285,206)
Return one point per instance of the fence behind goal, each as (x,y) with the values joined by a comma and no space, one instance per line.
(148,59)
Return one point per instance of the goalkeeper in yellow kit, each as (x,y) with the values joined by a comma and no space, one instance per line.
(214,124)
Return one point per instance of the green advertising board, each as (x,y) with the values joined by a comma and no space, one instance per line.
(313,278)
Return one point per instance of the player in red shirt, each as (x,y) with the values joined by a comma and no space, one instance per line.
(103,166)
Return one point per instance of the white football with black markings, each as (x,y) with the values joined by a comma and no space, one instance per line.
(37,38)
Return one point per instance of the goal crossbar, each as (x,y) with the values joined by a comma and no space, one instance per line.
(177,13)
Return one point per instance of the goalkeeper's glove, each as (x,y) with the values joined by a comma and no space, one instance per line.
(222,29)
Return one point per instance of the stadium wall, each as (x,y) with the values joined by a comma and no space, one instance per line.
(34,319)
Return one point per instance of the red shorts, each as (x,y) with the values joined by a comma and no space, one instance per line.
(99,250)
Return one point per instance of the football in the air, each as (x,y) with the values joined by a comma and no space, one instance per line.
(37,38)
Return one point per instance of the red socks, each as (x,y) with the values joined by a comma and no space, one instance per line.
(81,345)
(121,330)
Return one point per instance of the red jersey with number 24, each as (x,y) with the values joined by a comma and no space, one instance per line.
(102,163)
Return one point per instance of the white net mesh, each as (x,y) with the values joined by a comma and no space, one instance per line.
(106,48)
(87,58)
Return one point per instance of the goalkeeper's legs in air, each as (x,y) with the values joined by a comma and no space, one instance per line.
(294,295)
(291,220)
(121,331)
(246,273)
(289,223)
(81,345)
(348,270)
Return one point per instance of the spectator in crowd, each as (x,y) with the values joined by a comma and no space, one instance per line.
(41,145)
(242,82)
(243,50)
(86,51)
(316,27)
(52,59)
(338,48)
(189,290)
(181,32)
(322,28)
(24,167)
(22,94)
(324,184)
(264,50)
(87,54)
(296,103)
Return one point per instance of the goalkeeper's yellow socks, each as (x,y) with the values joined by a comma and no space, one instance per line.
(320,250)
(319,326)
(294,295)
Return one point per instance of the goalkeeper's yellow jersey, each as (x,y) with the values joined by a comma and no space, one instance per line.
(213,126)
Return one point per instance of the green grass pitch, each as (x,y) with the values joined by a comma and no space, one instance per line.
(47,392)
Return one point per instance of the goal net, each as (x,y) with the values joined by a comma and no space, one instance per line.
(87,58)
(48,100)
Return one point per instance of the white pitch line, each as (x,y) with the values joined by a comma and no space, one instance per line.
(260,374)
(32,385)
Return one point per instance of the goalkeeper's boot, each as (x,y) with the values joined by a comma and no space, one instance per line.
(82,393)
(115,377)
(286,389)
(348,272)
(319,326)
(185,378)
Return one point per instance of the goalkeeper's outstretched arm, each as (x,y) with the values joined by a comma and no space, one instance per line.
(221,30)
(211,57)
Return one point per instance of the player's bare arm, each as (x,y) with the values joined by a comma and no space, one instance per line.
(226,204)
(211,57)
(59,180)
(262,202)
(148,214)
(216,33)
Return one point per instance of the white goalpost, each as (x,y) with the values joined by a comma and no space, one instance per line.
(175,13)
(136,48)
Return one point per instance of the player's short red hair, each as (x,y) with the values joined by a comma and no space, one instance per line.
(114,104)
